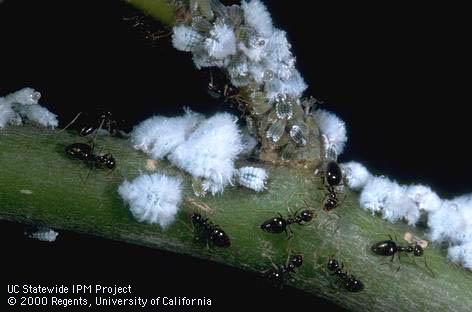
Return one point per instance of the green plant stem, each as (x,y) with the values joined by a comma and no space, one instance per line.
(40,185)
(159,9)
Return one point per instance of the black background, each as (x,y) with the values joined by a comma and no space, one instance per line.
(396,73)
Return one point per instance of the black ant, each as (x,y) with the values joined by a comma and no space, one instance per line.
(389,248)
(279,274)
(349,281)
(280,224)
(332,176)
(209,232)
(84,152)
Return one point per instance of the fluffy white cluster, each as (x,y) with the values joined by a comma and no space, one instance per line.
(383,195)
(448,220)
(222,41)
(23,105)
(333,130)
(252,178)
(210,152)
(356,175)
(158,135)
(205,148)
(452,223)
(251,51)
(153,198)
(44,234)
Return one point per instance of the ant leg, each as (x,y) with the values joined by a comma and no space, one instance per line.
(428,268)
(399,262)
(96,131)
(70,123)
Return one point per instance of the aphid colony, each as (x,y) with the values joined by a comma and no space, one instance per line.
(22,106)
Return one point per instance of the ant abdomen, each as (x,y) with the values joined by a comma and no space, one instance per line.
(275,225)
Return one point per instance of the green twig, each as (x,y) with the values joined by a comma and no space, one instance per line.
(63,194)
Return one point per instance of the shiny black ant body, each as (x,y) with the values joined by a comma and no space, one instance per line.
(279,274)
(84,152)
(390,248)
(331,200)
(332,176)
(280,224)
(349,281)
(209,232)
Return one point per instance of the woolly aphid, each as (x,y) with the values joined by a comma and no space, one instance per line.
(424,198)
(185,38)
(252,178)
(210,151)
(23,105)
(333,130)
(453,221)
(448,220)
(259,53)
(44,234)
(461,254)
(25,96)
(158,136)
(222,42)
(294,86)
(153,199)
(382,195)
(356,175)
(257,16)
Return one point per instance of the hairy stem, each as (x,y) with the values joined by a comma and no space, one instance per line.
(40,185)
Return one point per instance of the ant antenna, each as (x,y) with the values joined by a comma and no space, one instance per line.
(70,123)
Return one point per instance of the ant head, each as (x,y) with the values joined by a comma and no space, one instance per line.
(307,215)
(109,161)
(418,250)
(297,260)
(333,264)
(196,217)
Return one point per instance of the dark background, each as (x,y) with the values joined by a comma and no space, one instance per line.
(396,73)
